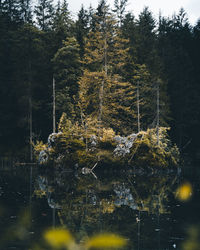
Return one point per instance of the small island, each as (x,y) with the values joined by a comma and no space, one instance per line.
(75,146)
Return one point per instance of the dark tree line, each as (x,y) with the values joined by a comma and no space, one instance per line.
(42,41)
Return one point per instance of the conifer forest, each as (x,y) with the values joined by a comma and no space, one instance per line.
(104,69)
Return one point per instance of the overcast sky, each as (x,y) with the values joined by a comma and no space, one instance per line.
(167,7)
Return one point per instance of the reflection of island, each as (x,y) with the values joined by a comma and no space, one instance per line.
(138,192)
(124,196)
(47,191)
(86,205)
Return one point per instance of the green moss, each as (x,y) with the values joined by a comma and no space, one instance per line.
(85,159)
(146,149)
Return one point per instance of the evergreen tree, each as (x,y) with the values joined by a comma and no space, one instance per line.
(120,6)
(115,109)
(82,27)
(105,58)
(44,14)
(66,72)
(10,9)
(25,11)
(175,40)
(195,93)
(18,60)
(62,24)
(146,42)
(128,30)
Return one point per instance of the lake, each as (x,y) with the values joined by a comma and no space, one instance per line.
(142,207)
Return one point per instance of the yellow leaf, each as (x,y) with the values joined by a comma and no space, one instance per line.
(106,241)
(184,191)
(58,237)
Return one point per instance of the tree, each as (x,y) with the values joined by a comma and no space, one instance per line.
(146,43)
(104,92)
(18,85)
(145,97)
(10,8)
(82,29)
(175,41)
(25,11)
(120,6)
(115,109)
(62,24)
(66,72)
(44,14)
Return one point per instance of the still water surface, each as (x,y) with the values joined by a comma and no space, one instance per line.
(140,206)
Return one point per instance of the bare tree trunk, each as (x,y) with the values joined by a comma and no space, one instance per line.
(86,139)
(30,104)
(30,128)
(158,113)
(105,53)
(100,105)
(138,108)
(54,107)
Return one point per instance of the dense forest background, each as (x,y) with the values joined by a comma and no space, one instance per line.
(103,62)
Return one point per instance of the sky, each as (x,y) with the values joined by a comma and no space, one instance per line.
(167,8)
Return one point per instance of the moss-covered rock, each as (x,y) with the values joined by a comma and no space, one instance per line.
(151,151)
(73,145)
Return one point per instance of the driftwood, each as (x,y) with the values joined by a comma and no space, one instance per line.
(89,170)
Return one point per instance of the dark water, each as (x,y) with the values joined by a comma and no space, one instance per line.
(140,206)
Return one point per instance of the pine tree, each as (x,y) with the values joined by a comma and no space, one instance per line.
(175,39)
(103,90)
(120,6)
(145,41)
(82,28)
(66,72)
(10,9)
(62,24)
(128,30)
(115,108)
(44,14)
(96,50)
(25,11)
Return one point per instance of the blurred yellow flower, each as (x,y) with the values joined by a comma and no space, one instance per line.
(58,237)
(184,191)
(106,241)
(192,242)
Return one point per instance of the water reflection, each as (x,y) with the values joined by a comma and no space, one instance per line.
(132,205)
(140,206)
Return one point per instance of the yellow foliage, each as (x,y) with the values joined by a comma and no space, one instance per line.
(108,207)
(108,134)
(92,126)
(40,193)
(64,123)
(58,237)
(39,146)
(147,150)
(184,192)
(106,241)
(68,127)
(85,158)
